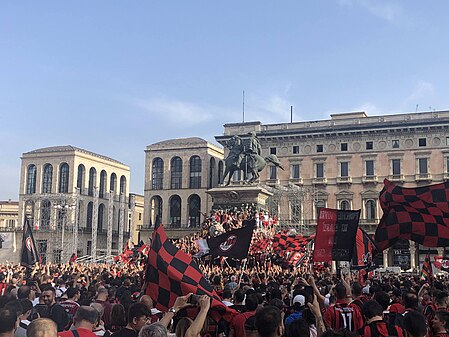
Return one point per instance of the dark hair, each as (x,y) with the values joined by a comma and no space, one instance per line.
(15,305)
(371,308)
(383,299)
(440,297)
(23,292)
(71,292)
(356,289)
(226,294)
(415,324)
(268,320)
(299,327)
(340,291)
(410,301)
(8,317)
(444,317)
(118,315)
(85,313)
(137,310)
(26,305)
(251,302)
(238,295)
(48,287)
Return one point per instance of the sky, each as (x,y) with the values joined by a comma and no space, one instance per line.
(113,77)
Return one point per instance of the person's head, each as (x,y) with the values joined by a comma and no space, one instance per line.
(415,324)
(239,296)
(383,299)
(269,322)
(100,309)
(251,302)
(340,291)
(396,294)
(138,315)
(371,309)
(8,320)
(153,330)
(16,306)
(410,301)
(118,315)
(86,317)
(440,321)
(227,295)
(146,299)
(25,292)
(73,293)
(48,295)
(27,307)
(182,326)
(42,327)
(299,301)
(102,294)
(440,298)
(356,290)
(299,327)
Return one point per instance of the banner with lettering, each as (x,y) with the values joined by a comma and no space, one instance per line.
(335,235)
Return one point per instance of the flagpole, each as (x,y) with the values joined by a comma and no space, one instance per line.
(241,271)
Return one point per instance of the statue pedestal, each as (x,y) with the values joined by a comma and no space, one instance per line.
(239,196)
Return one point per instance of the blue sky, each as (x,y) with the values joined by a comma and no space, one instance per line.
(115,76)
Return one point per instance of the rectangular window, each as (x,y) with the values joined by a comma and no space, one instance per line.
(319,170)
(344,146)
(369,168)
(395,143)
(272,150)
(344,169)
(273,173)
(319,148)
(369,145)
(396,167)
(422,141)
(447,141)
(295,149)
(140,216)
(295,173)
(447,165)
(422,166)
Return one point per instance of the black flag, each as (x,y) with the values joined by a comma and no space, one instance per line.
(29,251)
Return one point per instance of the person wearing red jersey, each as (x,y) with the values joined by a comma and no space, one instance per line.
(440,324)
(84,322)
(375,326)
(396,305)
(71,304)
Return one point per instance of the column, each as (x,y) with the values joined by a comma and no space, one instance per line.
(385,254)
(412,255)
(110,223)
(94,225)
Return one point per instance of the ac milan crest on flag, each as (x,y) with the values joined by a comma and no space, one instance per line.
(296,259)
(426,271)
(29,252)
(233,244)
(441,263)
(171,273)
(418,214)
(335,235)
(284,242)
(364,250)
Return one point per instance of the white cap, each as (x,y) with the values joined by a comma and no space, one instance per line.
(299,299)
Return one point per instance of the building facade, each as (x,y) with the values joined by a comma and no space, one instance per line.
(342,162)
(178,173)
(77,202)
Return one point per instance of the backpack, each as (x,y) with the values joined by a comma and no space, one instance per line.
(374,332)
(343,317)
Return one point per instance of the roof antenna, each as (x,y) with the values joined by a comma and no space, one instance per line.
(416,108)
(291,113)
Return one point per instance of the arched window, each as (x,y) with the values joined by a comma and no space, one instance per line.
(370,209)
(122,184)
(80,177)
(194,210)
(156,209)
(92,181)
(31,179)
(64,178)
(45,214)
(212,181)
(319,205)
(220,172)
(47,178)
(195,172)
(103,181)
(176,173)
(101,209)
(113,183)
(345,205)
(90,212)
(157,174)
(175,211)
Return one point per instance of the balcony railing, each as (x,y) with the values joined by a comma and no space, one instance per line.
(396,177)
(296,181)
(423,177)
(320,181)
(344,180)
(369,179)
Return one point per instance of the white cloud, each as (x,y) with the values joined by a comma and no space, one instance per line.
(384,10)
(273,109)
(421,95)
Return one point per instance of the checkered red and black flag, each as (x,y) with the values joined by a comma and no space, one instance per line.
(364,250)
(171,273)
(426,271)
(418,214)
(295,243)
(258,246)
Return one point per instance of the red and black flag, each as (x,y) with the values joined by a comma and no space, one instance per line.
(29,252)
(259,245)
(418,214)
(296,259)
(284,242)
(170,273)
(364,250)
(426,271)
(335,235)
(233,244)
(441,263)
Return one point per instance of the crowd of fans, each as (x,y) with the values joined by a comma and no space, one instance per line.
(264,298)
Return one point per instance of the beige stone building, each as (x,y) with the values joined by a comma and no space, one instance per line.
(342,162)
(77,202)
(178,172)
(9,214)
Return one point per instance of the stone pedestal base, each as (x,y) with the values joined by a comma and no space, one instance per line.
(239,196)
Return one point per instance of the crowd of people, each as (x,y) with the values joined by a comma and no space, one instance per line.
(263,297)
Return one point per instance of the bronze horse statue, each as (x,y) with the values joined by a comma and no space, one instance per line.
(251,163)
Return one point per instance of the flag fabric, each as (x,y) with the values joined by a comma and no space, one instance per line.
(29,254)
(426,271)
(284,242)
(260,245)
(364,250)
(233,244)
(418,214)
(170,273)
(296,259)
(441,263)
(335,235)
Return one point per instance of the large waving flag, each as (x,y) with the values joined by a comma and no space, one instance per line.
(426,270)
(364,251)
(29,254)
(171,273)
(419,214)
(285,242)
(335,235)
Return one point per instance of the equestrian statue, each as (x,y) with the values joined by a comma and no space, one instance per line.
(246,158)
